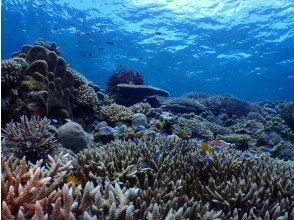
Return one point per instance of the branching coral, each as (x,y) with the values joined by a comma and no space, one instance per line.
(30,137)
(194,126)
(27,190)
(115,113)
(177,179)
(124,76)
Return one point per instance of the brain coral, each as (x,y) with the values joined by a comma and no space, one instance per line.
(127,76)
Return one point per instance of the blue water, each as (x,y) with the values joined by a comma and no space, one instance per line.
(239,47)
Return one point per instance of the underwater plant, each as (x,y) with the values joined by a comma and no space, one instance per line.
(127,76)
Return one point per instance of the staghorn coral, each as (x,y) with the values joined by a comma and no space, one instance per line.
(30,137)
(176,179)
(116,113)
(27,190)
(124,76)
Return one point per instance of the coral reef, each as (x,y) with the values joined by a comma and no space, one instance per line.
(45,87)
(246,188)
(116,113)
(11,72)
(86,97)
(134,154)
(229,105)
(30,137)
(127,76)
(141,107)
(183,105)
(288,115)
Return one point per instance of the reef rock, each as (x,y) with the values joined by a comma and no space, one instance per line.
(72,136)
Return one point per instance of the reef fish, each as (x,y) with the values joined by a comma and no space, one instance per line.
(205,147)
(73,179)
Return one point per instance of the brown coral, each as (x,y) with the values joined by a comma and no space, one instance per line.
(115,113)
(87,97)
(12,71)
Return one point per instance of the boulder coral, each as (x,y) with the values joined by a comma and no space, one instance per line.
(45,87)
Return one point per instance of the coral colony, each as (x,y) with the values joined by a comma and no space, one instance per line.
(73,151)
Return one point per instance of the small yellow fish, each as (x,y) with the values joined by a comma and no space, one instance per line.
(183,134)
(205,147)
(73,179)
(257,149)
(162,124)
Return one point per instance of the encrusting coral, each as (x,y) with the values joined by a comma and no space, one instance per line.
(30,137)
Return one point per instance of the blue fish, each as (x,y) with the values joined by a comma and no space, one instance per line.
(136,141)
(248,155)
(195,158)
(152,136)
(68,120)
(29,143)
(54,120)
(156,154)
(216,149)
(265,149)
(270,110)
(208,159)
(193,130)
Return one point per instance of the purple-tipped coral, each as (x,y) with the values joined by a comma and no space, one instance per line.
(127,76)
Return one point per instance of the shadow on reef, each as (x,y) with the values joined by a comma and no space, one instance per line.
(71,150)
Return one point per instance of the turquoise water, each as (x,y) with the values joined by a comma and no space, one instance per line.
(241,47)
